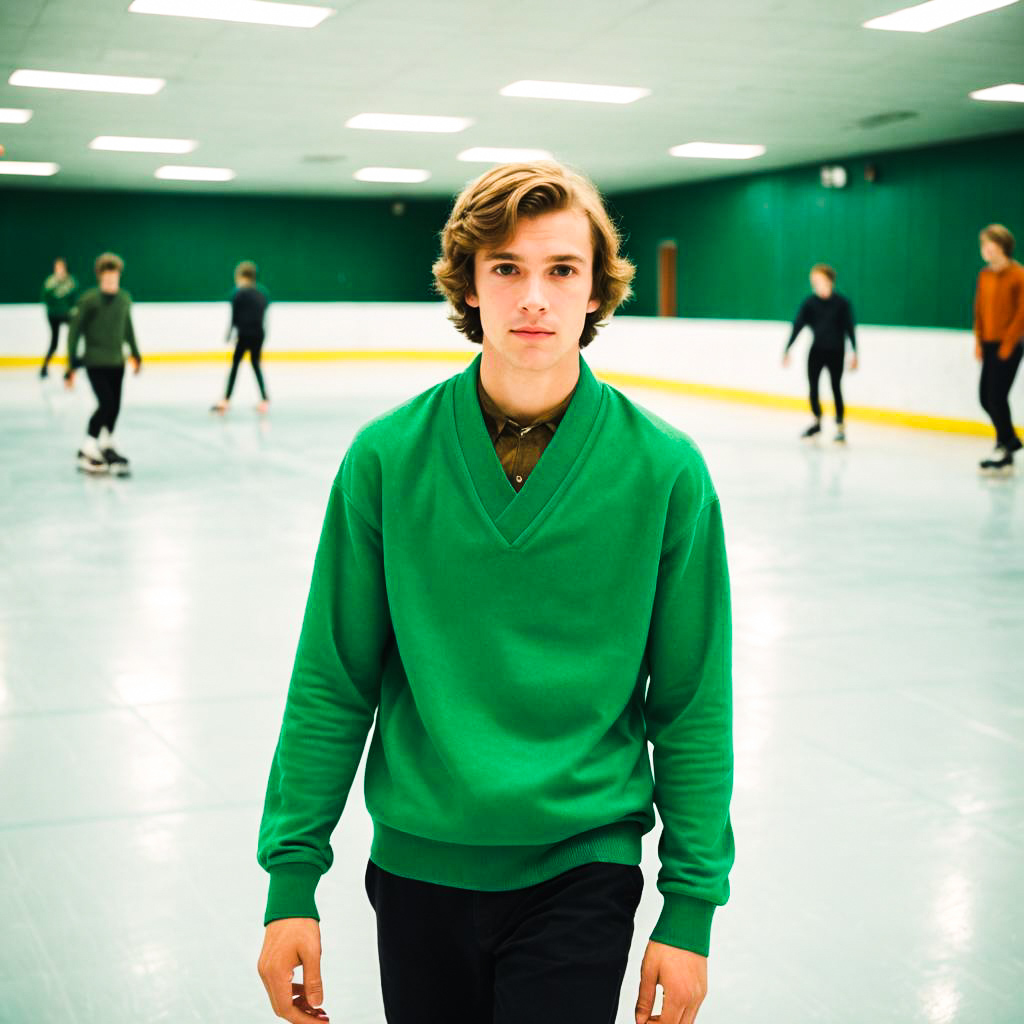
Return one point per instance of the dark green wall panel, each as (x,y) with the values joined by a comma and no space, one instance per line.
(183,248)
(905,247)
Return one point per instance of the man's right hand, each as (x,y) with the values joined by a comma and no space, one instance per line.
(69,380)
(287,944)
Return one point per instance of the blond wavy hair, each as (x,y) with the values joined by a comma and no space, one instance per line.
(485,216)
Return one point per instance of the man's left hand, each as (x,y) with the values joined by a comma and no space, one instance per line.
(683,977)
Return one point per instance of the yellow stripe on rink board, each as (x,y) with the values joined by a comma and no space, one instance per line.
(869,414)
(891,417)
(296,356)
(369,356)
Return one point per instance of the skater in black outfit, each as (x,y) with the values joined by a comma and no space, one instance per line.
(830,318)
(58,295)
(248,308)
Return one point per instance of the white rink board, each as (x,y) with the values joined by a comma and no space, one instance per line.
(909,370)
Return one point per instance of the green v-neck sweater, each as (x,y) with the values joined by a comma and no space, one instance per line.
(518,652)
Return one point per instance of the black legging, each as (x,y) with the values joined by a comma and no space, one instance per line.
(819,359)
(996,380)
(253,344)
(106,382)
(55,325)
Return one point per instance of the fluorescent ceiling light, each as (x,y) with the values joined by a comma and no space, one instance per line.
(492,155)
(1012,92)
(574,91)
(130,144)
(11,115)
(171,173)
(256,12)
(86,83)
(408,123)
(935,14)
(24,167)
(406,175)
(717,151)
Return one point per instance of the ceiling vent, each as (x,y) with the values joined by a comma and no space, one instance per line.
(886,118)
(323,158)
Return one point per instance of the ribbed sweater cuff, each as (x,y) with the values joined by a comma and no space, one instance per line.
(685,923)
(292,890)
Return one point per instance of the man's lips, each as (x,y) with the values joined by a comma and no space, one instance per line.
(532,331)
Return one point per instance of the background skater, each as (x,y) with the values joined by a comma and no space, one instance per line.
(830,318)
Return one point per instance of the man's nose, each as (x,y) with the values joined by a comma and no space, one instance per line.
(534,295)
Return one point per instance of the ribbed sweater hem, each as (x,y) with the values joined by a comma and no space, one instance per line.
(103,363)
(500,868)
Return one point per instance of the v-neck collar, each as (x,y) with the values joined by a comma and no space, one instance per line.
(509,511)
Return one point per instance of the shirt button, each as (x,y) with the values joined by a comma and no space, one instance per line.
(519,479)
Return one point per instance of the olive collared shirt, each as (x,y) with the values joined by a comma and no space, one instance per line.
(519,446)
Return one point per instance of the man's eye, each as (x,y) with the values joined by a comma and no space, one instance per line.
(563,270)
(505,269)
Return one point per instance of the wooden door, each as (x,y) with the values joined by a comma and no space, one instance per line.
(667,282)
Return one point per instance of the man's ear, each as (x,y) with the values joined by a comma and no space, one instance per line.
(472,300)
(593,305)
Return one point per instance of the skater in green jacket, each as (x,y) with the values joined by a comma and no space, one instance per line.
(58,296)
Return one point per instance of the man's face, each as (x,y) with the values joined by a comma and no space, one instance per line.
(821,285)
(59,268)
(110,281)
(992,252)
(534,290)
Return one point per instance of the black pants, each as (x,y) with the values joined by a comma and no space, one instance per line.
(253,344)
(996,380)
(107,382)
(832,360)
(551,952)
(55,325)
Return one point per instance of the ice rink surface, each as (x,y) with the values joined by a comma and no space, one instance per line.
(147,628)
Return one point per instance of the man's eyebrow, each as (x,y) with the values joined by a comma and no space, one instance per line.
(516,258)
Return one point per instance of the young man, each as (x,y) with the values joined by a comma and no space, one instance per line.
(58,296)
(103,318)
(248,308)
(830,318)
(522,575)
(998,337)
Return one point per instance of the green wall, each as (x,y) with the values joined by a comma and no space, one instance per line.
(905,247)
(184,247)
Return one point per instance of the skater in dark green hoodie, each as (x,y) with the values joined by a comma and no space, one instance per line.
(103,319)
(58,296)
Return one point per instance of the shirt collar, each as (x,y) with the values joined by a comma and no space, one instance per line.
(497,419)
